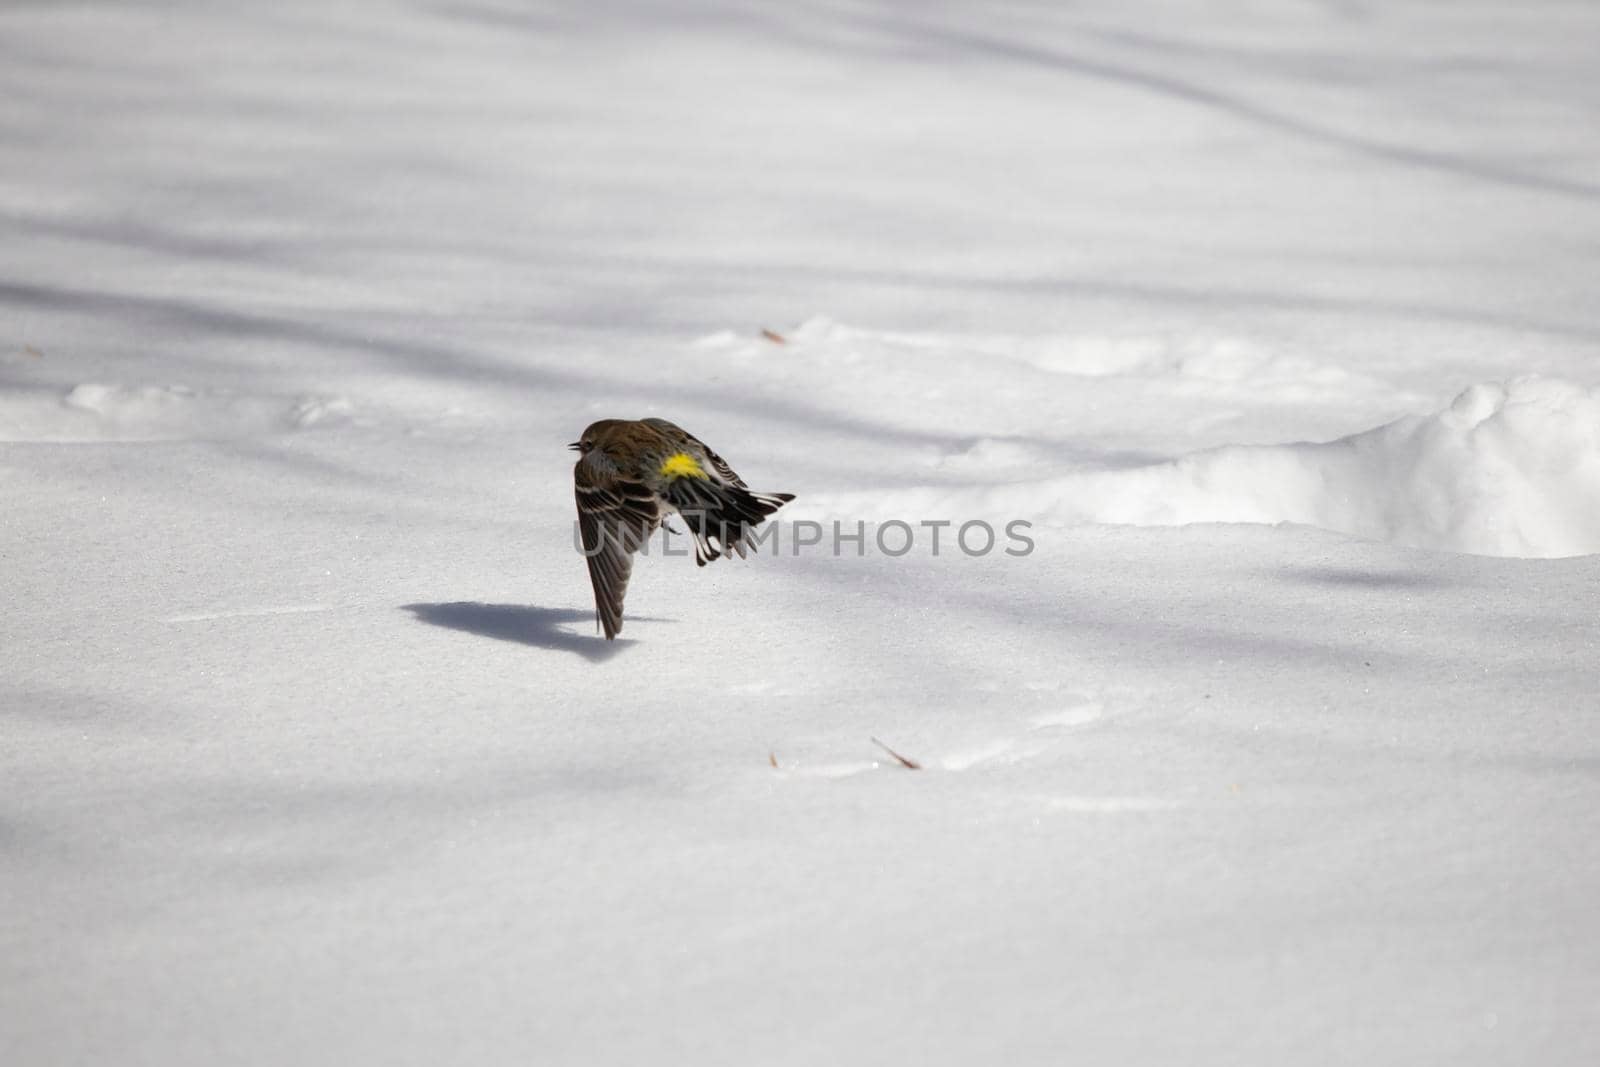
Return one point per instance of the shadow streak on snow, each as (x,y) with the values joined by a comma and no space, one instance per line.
(432,360)
(907,31)
(1217,638)
(1093,287)
(1232,644)
(527,625)
(160,237)
(193,316)
(971,42)
(1352,578)
(303,829)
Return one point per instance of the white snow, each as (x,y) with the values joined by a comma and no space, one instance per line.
(1504,470)
(1509,470)
(96,411)
(1275,321)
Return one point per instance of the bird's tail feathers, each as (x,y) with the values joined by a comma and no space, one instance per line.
(720,516)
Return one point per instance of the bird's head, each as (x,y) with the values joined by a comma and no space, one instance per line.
(599,435)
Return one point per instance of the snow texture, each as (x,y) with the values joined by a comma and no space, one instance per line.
(1505,470)
(1274,321)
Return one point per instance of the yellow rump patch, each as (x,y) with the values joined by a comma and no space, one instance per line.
(682,465)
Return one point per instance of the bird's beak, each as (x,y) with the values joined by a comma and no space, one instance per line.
(576,445)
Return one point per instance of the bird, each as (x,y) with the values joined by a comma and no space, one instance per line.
(630,475)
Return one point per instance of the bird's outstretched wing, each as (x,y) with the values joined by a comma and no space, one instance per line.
(614,521)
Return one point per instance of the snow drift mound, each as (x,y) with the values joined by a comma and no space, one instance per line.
(99,412)
(1505,470)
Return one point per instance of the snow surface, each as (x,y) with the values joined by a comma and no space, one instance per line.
(1276,321)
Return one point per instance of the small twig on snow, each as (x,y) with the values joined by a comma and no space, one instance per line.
(908,764)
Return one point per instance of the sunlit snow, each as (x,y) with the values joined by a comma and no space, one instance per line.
(1274,325)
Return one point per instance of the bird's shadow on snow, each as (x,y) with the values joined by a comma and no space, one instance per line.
(524,624)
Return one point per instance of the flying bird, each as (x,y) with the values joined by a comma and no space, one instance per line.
(629,476)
